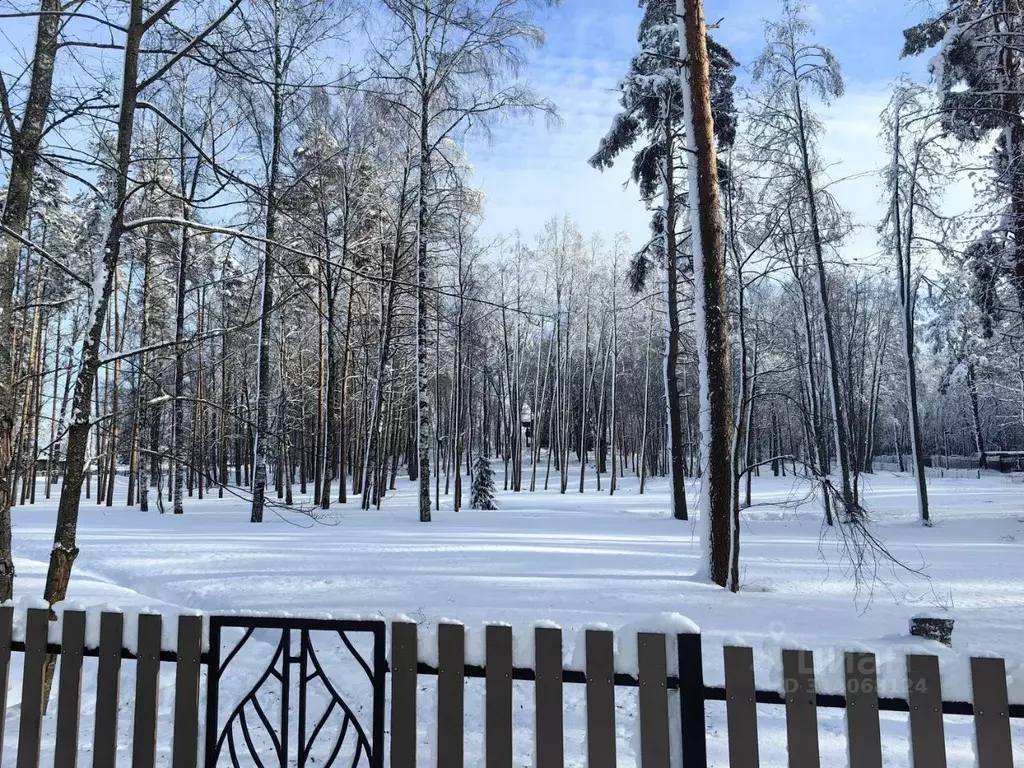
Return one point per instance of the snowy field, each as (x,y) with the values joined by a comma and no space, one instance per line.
(582,561)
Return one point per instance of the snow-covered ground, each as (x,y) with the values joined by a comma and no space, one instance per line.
(584,560)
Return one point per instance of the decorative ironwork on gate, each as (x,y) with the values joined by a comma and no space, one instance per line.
(284,664)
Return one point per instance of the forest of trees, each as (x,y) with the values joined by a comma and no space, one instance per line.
(242,257)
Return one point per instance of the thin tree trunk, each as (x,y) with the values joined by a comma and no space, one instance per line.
(673,399)
(904,250)
(835,394)
(54,430)
(646,409)
(65,548)
(24,155)
(422,384)
(263,382)
(115,395)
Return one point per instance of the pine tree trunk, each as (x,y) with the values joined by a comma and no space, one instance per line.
(583,397)
(30,408)
(225,413)
(178,412)
(319,449)
(979,437)
(330,455)
(712,319)
(375,455)
(198,417)
(613,439)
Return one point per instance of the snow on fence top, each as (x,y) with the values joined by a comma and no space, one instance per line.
(829,660)
(130,637)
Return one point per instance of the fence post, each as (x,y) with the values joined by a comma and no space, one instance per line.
(653,695)
(600,671)
(691,700)
(147,690)
(69,697)
(185,742)
(404,656)
(6,631)
(924,699)
(549,730)
(992,735)
(801,709)
(108,690)
(498,698)
(451,702)
(741,707)
(32,688)
(212,691)
(862,726)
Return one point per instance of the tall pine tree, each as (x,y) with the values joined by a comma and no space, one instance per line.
(652,117)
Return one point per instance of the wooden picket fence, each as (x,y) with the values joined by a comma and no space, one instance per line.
(657,688)
(991,709)
(72,649)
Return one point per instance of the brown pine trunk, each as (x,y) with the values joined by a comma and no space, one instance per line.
(225,415)
(710,300)
(838,413)
(37,411)
(330,455)
(101,444)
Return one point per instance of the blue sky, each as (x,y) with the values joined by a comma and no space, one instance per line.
(530,172)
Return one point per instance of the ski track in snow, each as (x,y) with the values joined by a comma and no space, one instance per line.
(580,561)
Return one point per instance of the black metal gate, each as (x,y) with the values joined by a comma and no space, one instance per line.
(295,692)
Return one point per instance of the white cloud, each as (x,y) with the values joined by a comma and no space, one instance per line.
(531,172)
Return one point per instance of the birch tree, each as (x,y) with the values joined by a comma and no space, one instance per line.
(918,167)
(112,210)
(448,66)
(793,69)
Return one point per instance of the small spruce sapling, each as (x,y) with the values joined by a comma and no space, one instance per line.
(483,485)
